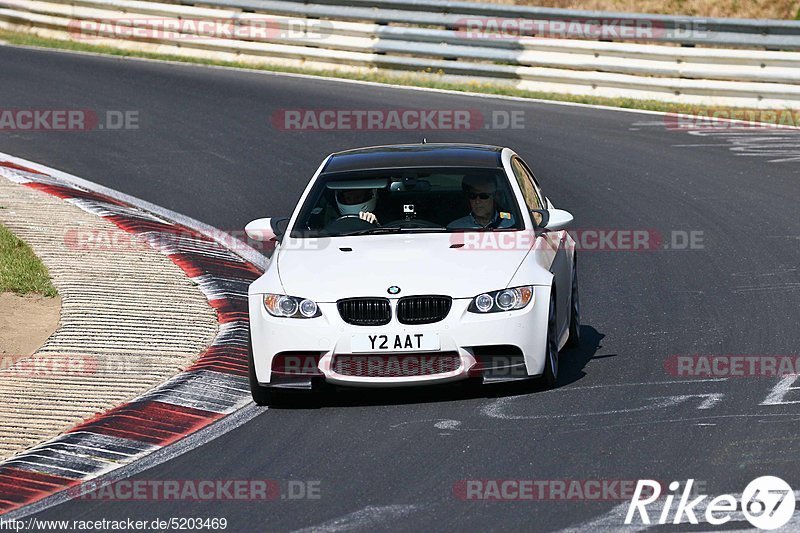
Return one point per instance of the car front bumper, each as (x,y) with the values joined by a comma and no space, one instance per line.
(514,343)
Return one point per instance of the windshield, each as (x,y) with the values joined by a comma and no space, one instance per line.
(408,200)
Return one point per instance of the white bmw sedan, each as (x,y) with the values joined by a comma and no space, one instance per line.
(413,265)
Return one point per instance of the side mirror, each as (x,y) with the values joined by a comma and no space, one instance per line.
(553,219)
(267,229)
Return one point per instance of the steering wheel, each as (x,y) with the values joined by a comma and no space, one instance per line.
(354,216)
(348,223)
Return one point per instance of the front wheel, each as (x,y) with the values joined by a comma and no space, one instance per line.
(551,356)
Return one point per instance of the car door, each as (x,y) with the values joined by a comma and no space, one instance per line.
(554,241)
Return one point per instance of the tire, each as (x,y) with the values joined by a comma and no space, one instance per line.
(550,376)
(261,395)
(574,339)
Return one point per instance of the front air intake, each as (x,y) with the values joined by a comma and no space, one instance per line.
(365,311)
(423,309)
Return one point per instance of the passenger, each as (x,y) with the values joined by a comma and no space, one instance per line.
(481,193)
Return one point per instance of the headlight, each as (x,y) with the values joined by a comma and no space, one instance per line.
(308,308)
(502,300)
(290,306)
(484,303)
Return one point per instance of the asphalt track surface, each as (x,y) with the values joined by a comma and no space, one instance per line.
(389,460)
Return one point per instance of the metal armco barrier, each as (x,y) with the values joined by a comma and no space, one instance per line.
(524,47)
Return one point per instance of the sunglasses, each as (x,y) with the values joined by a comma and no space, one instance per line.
(481,195)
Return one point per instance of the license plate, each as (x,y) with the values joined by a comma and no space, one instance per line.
(394,342)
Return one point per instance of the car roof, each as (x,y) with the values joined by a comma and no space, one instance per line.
(415,155)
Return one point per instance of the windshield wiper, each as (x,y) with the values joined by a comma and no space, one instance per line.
(384,230)
(465,230)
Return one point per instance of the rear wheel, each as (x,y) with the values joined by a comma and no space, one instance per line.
(261,395)
(551,356)
(575,310)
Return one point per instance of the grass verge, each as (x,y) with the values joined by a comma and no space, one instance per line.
(21,272)
(418,79)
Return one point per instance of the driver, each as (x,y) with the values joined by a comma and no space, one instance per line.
(480,192)
(358,202)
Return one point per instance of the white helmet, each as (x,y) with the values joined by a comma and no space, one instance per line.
(354,209)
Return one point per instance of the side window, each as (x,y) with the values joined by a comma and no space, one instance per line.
(536,185)
(525,181)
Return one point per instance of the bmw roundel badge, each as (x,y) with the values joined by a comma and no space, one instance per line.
(394,289)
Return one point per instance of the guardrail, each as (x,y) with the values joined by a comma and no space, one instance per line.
(749,33)
(456,40)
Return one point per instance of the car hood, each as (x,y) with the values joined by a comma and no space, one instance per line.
(344,267)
